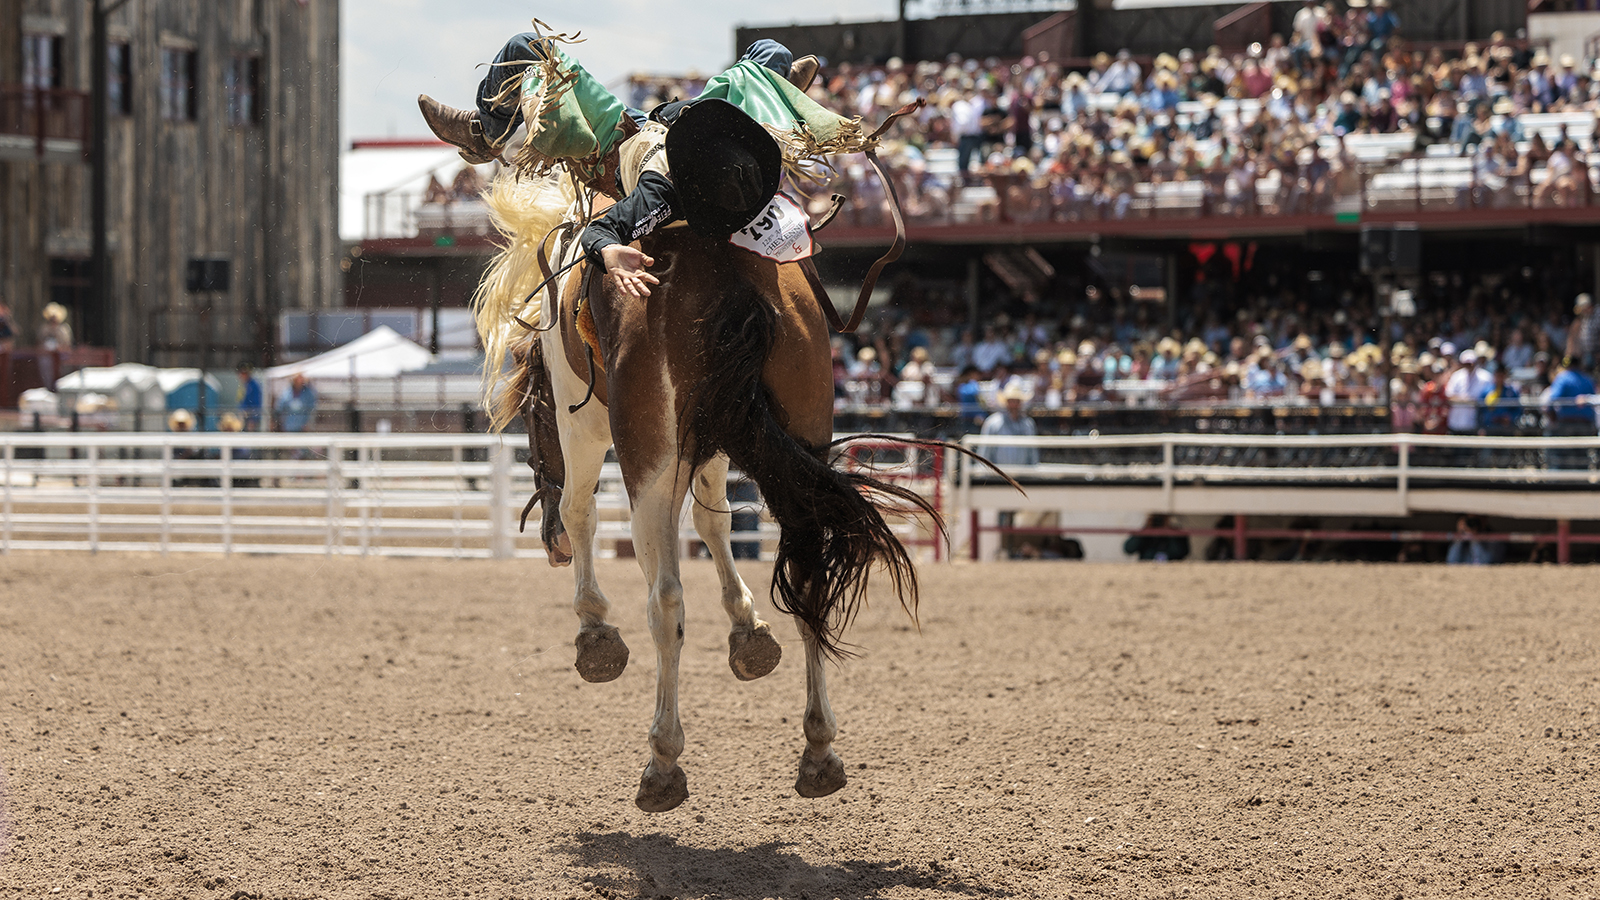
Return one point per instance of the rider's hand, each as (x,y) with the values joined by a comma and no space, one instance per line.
(627,265)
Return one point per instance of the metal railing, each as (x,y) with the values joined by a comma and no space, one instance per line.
(452,495)
(44,116)
(447,495)
(1376,476)
(1383,459)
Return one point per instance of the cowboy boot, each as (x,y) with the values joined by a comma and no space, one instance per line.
(459,128)
(803,71)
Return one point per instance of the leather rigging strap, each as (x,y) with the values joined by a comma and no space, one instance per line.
(567,229)
(899,245)
(836,204)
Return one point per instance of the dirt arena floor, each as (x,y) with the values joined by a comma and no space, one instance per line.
(276,729)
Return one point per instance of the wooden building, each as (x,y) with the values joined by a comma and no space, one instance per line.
(223,143)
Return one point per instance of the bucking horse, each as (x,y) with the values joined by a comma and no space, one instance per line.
(727,361)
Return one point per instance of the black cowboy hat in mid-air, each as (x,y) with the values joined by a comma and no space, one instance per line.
(724,164)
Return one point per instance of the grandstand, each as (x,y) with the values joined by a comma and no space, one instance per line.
(1163,226)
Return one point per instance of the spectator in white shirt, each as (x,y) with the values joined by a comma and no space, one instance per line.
(966,125)
(1462,391)
(1122,76)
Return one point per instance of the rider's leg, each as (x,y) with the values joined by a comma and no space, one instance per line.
(499,94)
(481,135)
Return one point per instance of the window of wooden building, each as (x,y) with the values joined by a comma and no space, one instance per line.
(41,61)
(179,71)
(243,83)
(119,78)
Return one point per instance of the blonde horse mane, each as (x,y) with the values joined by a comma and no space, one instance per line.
(524,210)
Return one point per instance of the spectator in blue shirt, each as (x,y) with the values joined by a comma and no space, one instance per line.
(1382,23)
(1569,413)
(249,399)
(1499,404)
(968,397)
(297,404)
(1011,421)
(1564,399)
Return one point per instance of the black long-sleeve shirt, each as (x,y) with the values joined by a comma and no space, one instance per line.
(653,203)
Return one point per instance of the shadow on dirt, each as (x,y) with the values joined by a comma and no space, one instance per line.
(664,868)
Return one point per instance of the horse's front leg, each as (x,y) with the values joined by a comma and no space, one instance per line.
(602,655)
(821,770)
(752,650)
(656,506)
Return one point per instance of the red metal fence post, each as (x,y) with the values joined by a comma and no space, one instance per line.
(938,503)
(1240,544)
(1563,541)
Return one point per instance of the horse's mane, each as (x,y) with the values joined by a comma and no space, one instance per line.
(524,209)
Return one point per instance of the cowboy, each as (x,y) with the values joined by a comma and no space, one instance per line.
(728,166)
(726,170)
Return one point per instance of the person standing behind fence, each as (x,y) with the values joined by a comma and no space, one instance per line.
(297,404)
(1583,335)
(249,399)
(1462,388)
(55,336)
(1011,421)
(1568,413)
(1499,406)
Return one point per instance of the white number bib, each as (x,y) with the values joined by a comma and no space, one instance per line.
(780,233)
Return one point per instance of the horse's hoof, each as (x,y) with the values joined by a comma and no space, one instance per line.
(560,552)
(659,793)
(819,779)
(601,654)
(752,654)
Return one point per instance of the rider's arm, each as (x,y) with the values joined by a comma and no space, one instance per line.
(653,203)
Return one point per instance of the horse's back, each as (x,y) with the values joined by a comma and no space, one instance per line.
(704,283)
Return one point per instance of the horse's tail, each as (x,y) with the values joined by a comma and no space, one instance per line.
(524,210)
(833,529)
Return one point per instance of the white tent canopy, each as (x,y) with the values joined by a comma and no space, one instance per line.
(380,353)
(131,385)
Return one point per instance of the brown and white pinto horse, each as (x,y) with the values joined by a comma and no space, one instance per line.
(727,359)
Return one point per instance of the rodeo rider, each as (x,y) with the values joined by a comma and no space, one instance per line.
(727,166)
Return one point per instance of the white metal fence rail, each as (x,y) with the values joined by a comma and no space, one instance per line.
(1108,484)
(1395,459)
(451,495)
(446,495)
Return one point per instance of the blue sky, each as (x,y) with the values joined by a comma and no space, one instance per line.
(396,49)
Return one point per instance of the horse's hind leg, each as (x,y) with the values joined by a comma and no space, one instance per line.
(752,650)
(602,655)
(656,506)
(821,770)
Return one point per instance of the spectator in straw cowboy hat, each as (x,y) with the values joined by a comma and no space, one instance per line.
(1011,421)
(54,332)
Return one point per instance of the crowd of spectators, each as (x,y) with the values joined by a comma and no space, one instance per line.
(1261,131)
(1258,131)
(1064,144)
(1483,363)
